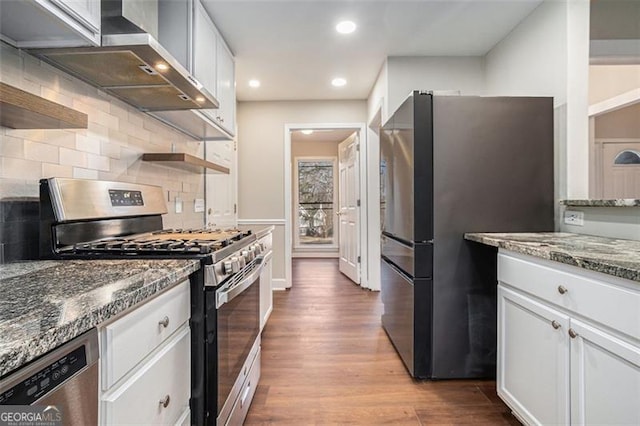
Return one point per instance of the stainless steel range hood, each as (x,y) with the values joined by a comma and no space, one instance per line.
(131,64)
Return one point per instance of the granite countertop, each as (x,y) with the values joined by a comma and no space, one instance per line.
(617,257)
(620,202)
(44,304)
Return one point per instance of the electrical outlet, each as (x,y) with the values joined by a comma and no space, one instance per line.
(572,217)
(198,205)
(178,205)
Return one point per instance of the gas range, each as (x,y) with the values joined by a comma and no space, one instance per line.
(85,219)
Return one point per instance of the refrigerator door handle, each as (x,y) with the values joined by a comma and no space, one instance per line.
(396,239)
(399,271)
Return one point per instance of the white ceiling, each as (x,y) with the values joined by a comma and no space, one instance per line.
(322,135)
(293,49)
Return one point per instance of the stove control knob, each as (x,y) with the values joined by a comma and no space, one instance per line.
(235,264)
(227,267)
(252,252)
(257,249)
(246,256)
(242,262)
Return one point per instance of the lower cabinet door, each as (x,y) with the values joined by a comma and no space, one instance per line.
(533,359)
(158,391)
(605,378)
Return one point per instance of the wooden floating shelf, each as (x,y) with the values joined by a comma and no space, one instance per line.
(187,161)
(24,110)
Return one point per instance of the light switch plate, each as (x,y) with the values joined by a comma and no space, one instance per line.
(572,217)
(198,205)
(178,205)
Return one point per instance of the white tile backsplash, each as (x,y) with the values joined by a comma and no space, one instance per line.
(109,149)
(40,151)
(71,157)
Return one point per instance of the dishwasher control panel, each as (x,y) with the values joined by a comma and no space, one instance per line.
(47,378)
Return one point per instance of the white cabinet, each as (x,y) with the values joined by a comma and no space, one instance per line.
(204,48)
(214,67)
(145,363)
(187,31)
(533,359)
(220,189)
(266,291)
(605,378)
(86,12)
(225,115)
(50,23)
(568,343)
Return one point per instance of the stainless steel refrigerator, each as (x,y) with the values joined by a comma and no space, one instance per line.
(450,165)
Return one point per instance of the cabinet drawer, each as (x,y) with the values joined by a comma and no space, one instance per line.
(612,305)
(166,377)
(128,340)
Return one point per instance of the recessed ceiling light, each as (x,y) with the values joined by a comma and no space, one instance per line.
(162,66)
(338,82)
(307,131)
(254,83)
(346,27)
(199,98)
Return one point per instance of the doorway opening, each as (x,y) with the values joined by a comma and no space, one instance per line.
(323,199)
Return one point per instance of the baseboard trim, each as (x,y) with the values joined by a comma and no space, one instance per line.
(315,254)
(262,221)
(278,284)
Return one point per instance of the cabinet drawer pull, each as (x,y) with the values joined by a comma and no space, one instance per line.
(164,322)
(164,402)
(555,324)
(562,289)
(572,333)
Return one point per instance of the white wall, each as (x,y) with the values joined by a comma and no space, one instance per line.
(261,182)
(408,73)
(400,75)
(547,55)
(378,99)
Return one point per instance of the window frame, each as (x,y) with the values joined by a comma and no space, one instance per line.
(297,245)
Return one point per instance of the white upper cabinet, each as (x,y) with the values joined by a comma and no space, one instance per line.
(187,31)
(225,88)
(204,48)
(50,23)
(214,67)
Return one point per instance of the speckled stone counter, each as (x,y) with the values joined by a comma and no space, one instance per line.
(620,202)
(620,258)
(44,304)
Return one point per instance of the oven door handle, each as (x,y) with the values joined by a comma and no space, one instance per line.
(231,293)
(267,257)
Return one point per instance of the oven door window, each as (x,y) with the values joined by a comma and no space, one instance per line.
(238,328)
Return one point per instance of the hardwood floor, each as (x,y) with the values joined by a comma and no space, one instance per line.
(327,360)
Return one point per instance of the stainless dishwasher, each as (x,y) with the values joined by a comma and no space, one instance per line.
(66,378)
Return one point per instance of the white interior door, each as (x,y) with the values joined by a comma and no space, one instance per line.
(221,210)
(348,213)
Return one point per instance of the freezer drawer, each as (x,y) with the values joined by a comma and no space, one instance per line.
(416,260)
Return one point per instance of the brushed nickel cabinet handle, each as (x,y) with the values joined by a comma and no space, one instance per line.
(562,289)
(555,324)
(164,322)
(164,402)
(572,333)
